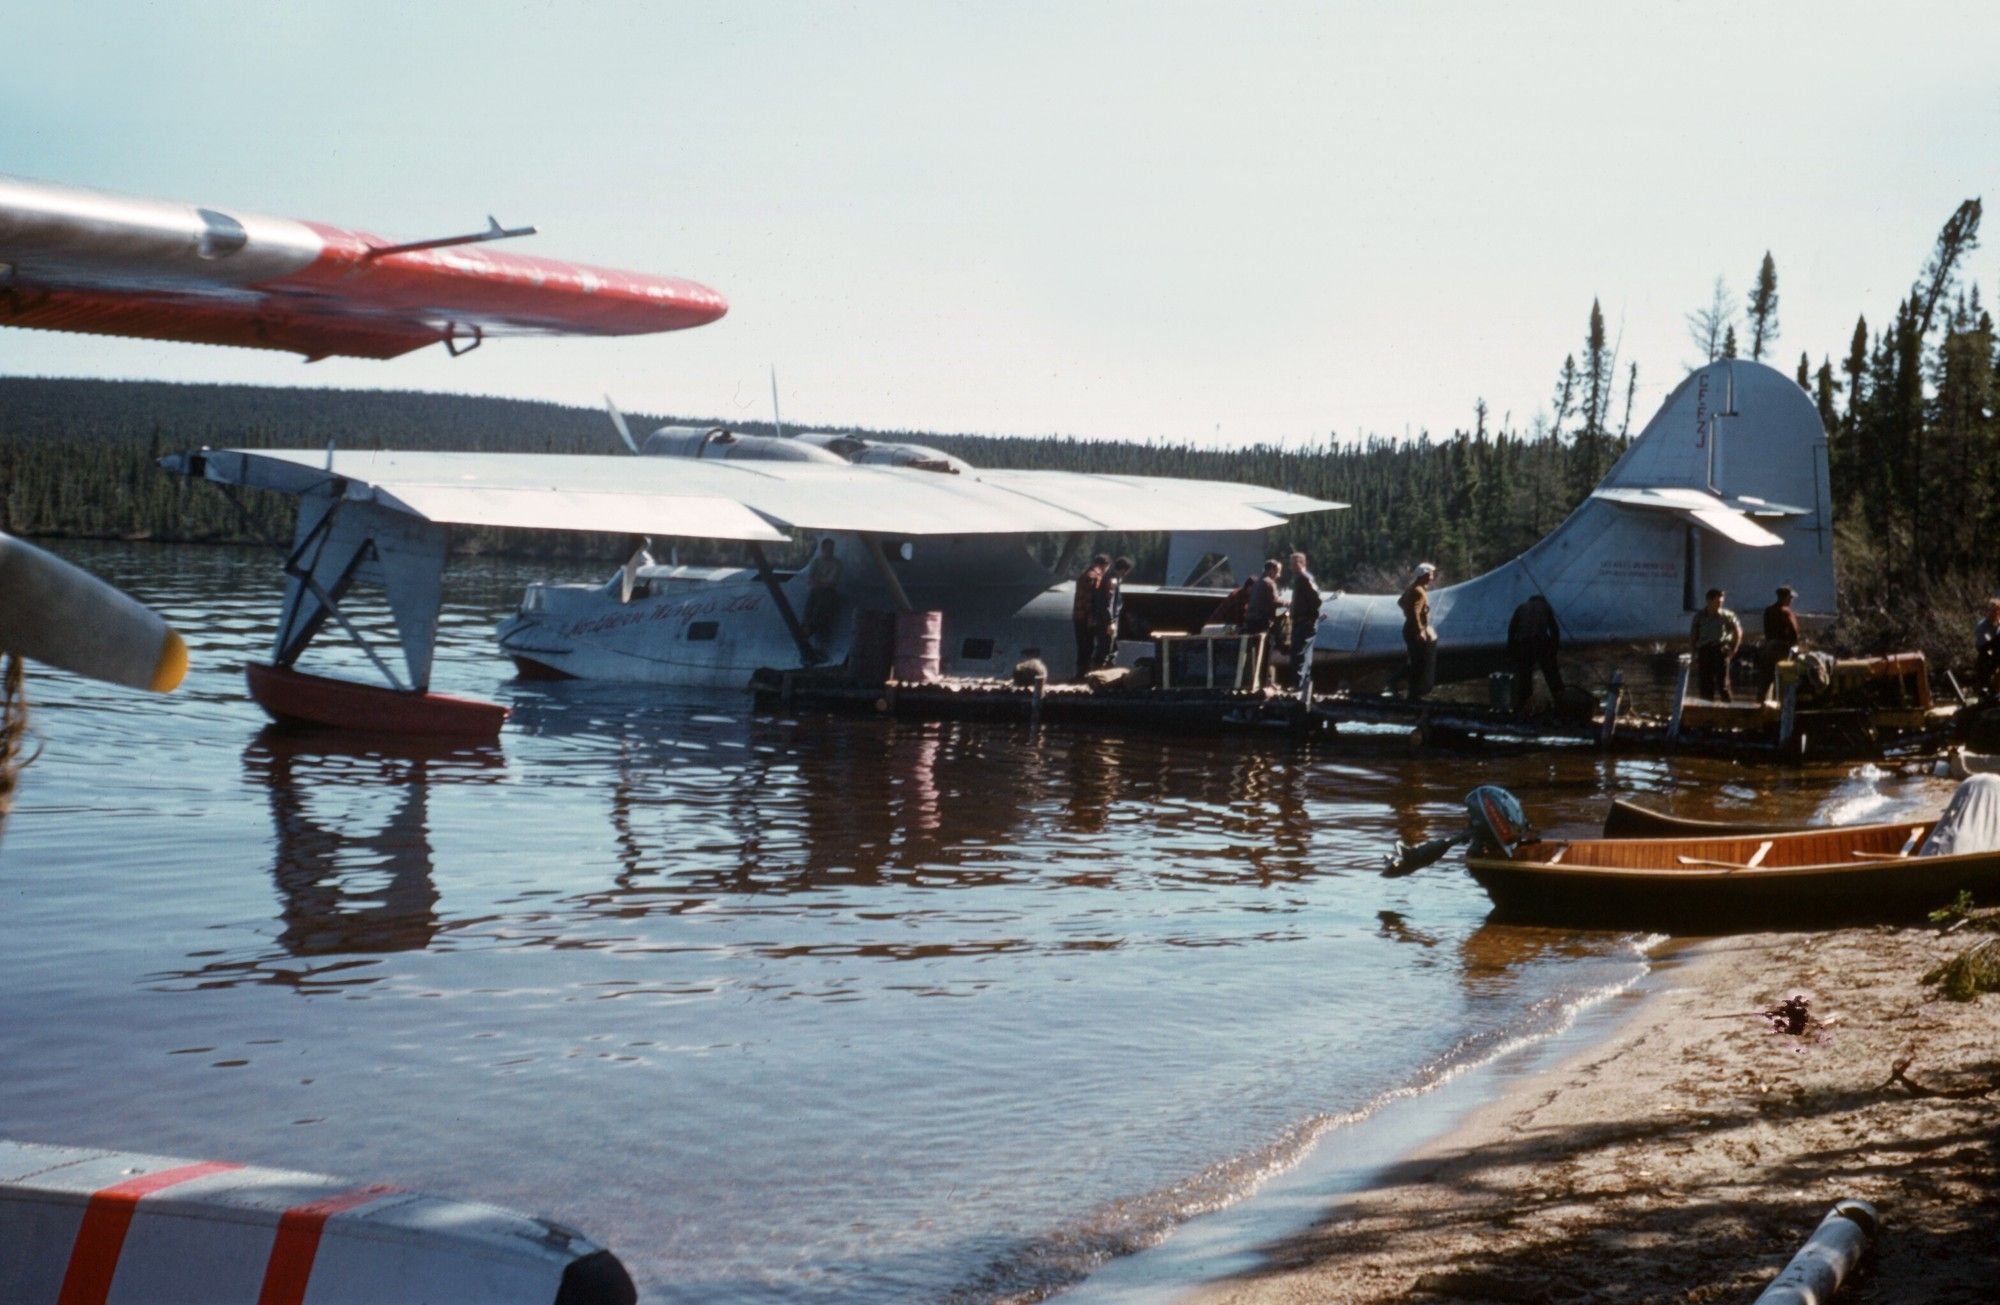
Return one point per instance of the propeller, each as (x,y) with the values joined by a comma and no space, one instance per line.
(61,615)
(1412,857)
(618,420)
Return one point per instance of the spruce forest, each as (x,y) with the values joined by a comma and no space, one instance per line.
(1909,408)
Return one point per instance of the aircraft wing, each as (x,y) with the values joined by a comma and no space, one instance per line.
(748,500)
(1710,512)
(84,260)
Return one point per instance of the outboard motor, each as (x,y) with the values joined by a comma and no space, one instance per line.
(721,442)
(1495,820)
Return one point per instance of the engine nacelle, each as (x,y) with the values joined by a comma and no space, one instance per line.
(852,448)
(721,442)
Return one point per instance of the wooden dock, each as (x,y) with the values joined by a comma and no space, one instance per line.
(1084,705)
(1740,731)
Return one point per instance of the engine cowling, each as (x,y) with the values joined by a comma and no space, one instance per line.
(721,442)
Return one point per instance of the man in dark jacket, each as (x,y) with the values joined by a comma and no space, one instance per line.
(1781,640)
(1263,606)
(1081,609)
(1305,618)
(1533,640)
(1105,608)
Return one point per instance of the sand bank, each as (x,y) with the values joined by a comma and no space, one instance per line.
(1687,1157)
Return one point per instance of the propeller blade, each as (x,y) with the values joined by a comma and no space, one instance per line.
(1412,857)
(63,616)
(618,420)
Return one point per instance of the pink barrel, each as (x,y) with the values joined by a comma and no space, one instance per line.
(918,638)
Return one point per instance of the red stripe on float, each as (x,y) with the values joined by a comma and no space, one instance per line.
(292,1254)
(93,1257)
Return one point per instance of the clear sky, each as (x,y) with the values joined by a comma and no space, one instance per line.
(1240,221)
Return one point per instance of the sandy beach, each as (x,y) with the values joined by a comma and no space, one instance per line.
(1690,1155)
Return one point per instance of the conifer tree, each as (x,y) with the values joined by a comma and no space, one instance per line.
(1824,388)
(1805,372)
(1729,341)
(1856,367)
(1565,397)
(1706,324)
(1588,463)
(1763,312)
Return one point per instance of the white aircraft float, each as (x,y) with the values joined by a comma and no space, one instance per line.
(1725,487)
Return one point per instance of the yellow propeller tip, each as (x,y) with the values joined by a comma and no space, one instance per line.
(172,667)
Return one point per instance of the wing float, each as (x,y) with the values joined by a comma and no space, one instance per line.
(105,264)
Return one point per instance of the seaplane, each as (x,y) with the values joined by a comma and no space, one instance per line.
(1726,487)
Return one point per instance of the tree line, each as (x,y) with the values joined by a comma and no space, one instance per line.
(77,459)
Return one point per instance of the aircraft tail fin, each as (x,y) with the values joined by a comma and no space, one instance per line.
(1725,488)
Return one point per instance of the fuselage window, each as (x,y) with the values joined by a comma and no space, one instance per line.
(976,650)
(699,631)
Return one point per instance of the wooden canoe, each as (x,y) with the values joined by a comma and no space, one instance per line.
(1857,871)
(1630,820)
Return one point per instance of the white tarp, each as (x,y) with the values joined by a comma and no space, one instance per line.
(1970,823)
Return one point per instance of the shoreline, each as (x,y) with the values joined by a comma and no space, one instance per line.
(1351,1153)
(1689,1153)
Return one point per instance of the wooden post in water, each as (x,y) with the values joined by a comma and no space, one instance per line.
(1680,695)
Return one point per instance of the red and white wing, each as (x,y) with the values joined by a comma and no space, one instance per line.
(91,261)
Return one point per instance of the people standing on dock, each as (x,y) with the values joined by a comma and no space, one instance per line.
(1419,637)
(1305,619)
(1716,635)
(822,595)
(1533,641)
(1262,609)
(1781,641)
(1106,606)
(1081,611)
(1262,612)
(1986,645)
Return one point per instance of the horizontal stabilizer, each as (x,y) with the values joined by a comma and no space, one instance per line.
(1704,509)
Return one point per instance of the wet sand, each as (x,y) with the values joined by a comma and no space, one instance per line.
(1686,1158)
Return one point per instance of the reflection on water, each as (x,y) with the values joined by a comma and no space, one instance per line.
(783,1008)
(352,859)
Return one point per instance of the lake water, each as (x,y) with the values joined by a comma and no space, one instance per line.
(781,1008)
